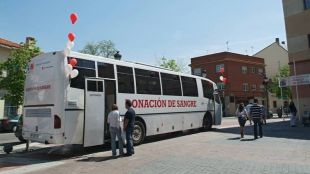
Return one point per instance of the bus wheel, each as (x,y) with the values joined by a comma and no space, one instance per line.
(138,133)
(207,122)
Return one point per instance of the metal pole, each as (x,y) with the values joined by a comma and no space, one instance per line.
(296,88)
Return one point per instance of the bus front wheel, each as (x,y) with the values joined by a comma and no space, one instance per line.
(138,133)
(207,122)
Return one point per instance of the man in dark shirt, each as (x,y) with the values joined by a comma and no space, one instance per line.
(128,127)
(256,114)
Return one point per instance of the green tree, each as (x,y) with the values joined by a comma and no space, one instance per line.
(284,71)
(15,68)
(105,48)
(170,64)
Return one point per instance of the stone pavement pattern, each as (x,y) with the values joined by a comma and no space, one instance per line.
(283,150)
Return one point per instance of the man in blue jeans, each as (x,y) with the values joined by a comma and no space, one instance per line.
(128,127)
(256,114)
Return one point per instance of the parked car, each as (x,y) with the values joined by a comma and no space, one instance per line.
(19,130)
(9,123)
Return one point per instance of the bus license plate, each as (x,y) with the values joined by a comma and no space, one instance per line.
(36,136)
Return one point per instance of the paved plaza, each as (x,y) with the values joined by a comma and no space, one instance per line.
(282,150)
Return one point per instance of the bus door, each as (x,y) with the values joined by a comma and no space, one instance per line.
(94,112)
(217,109)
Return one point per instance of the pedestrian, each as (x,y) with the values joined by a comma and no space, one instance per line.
(256,115)
(241,114)
(286,110)
(264,115)
(247,108)
(293,112)
(114,121)
(128,127)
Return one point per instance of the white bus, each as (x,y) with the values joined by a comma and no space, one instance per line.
(60,110)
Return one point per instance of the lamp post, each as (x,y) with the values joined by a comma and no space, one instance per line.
(266,82)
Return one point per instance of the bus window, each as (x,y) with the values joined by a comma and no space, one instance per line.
(189,86)
(105,70)
(171,84)
(125,79)
(84,63)
(207,88)
(86,68)
(79,81)
(95,86)
(147,82)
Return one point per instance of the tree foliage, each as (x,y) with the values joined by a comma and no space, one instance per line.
(105,48)
(284,71)
(170,64)
(15,68)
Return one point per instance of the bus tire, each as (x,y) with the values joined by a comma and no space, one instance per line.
(138,133)
(207,122)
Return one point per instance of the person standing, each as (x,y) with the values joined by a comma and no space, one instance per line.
(293,112)
(256,114)
(247,108)
(241,114)
(264,115)
(114,121)
(129,122)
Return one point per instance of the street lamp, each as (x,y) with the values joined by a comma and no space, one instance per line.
(117,55)
(266,82)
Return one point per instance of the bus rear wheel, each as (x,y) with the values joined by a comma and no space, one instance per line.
(207,122)
(138,133)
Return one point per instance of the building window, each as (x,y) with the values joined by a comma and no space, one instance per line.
(274,104)
(260,71)
(220,86)
(197,71)
(262,87)
(171,84)
(147,82)
(244,69)
(254,87)
(245,87)
(218,67)
(254,70)
(307,4)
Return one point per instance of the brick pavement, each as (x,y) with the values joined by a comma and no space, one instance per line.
(283,150)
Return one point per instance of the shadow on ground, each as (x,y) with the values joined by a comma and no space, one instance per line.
(280,129)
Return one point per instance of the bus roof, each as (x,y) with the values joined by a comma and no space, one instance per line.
(131,64)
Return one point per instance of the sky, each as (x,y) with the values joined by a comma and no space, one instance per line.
(145,30)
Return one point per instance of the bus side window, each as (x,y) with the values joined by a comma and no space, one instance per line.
(189,86)
(207,88)
(171,84)
(86,68)
(105,70)
(125,79)
(147,82)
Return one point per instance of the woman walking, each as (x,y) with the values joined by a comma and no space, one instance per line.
(293,112)
(114,121)
(241,114)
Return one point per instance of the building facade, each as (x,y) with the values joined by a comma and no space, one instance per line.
(6,48)
(297,17)
(275,56)
(244,74)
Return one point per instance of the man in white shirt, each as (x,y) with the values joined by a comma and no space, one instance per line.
(114,120)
